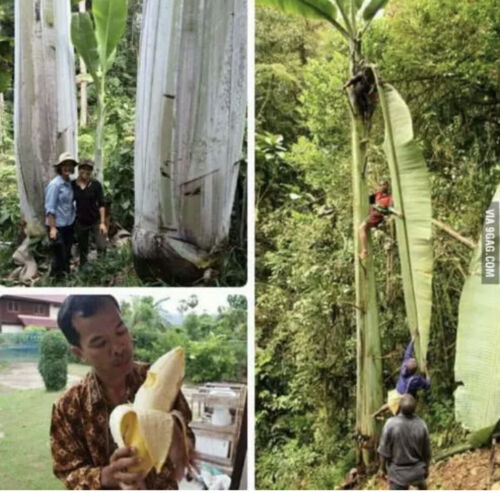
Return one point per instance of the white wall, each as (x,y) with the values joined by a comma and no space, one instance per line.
(10,328)
(53,311)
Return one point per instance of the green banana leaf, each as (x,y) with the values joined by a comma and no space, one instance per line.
(110,21)
(372,7)
(477,361)
(312,9)
(83,38)
(412,196)
(358,3)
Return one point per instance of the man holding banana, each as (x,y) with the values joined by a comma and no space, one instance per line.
(84,453)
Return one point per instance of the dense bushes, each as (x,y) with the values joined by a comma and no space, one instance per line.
(53,363)
(215,345)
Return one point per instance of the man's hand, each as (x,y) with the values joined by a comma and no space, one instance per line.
(53,233)
(116,473)
(103,230)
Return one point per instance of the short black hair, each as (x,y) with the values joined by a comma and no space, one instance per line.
(82,305)
(408,404)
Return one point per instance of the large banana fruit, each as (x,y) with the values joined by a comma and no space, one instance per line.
(148,423)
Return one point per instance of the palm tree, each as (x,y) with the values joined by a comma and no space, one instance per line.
(411,190)
(190,122)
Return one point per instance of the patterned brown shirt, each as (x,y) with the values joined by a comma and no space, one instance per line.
(80,438)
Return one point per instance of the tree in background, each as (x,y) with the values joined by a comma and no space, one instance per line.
(96,39)
(215,344)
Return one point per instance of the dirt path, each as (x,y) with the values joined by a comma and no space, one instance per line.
(467,471)
(24,375)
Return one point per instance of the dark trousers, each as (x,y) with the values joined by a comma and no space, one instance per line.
(61,250)
(394,486)
(83,233)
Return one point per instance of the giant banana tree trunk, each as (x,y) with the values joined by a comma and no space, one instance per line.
(44,100)
(191,103)
(369,389)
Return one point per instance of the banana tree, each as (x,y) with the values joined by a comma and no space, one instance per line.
(190,121)
(45,122)
(477,362)
(409,179)
(96,41)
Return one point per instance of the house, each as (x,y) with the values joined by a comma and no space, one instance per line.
(19,311)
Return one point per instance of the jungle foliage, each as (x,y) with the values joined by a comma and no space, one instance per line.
(306,341)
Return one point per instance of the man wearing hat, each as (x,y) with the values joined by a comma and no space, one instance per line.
(60,214)
(90,211)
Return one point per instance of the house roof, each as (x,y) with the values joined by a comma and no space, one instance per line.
(56,299)
(50,323)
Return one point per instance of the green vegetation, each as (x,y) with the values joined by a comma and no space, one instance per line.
(215,345)
(25,460)
(306,341)
(53,363)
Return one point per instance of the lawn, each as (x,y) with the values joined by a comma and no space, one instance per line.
(78,369)
(25,460)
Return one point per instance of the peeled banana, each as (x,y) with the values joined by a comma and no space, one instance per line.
(148,423)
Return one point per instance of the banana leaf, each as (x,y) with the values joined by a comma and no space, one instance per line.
(312,9)
(477,362)
(110,21)
(412,197)
(372,7)
(83,37)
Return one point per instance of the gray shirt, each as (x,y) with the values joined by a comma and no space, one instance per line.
(406,446)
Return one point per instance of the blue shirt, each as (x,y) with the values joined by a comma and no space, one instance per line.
(410,383)
(59,201)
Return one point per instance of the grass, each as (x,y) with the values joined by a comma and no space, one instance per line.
(25,459)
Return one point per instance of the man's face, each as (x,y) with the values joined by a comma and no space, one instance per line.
(105,342)
(84,173)
(384,187)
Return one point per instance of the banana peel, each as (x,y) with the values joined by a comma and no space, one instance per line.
(148,423)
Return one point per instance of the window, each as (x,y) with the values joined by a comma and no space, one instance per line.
(12,306)
(40,310)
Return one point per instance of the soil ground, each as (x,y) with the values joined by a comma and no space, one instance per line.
(466,471)
(25,376)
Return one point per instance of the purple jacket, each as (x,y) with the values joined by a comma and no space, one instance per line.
(408,383)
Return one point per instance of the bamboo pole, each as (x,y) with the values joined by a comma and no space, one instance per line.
(454,234)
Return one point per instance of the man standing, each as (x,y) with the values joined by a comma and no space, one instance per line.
(405,448)
(90,211)
(83,451)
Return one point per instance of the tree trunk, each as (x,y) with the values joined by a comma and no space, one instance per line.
(369,391)
(191,103)
(83,83)
(44,100)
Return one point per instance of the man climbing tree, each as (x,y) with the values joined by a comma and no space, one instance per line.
(381,205)
(405,449)
(409,382)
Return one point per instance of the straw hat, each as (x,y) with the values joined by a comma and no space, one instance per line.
(66,157)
